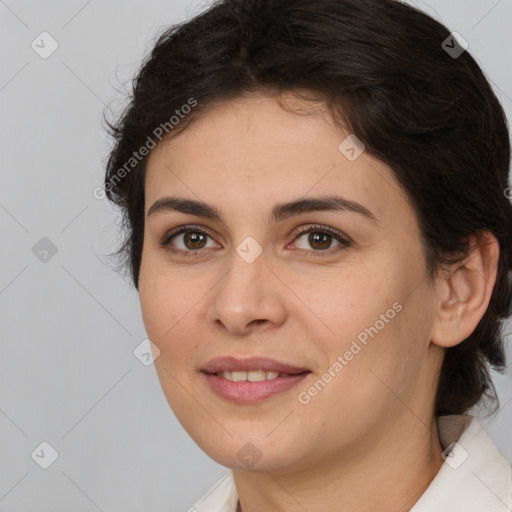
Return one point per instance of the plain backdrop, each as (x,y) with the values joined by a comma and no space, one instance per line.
(69,323)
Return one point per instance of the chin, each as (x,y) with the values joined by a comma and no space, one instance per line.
(252,453)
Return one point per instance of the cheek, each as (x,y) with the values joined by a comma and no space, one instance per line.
(395,358)
(152,300)
(360,307)
(378,334)
(169,307)
(163,310)
(160,301)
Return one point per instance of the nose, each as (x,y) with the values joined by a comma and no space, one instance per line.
(249,296)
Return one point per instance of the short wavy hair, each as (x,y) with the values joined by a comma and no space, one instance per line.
(386,73)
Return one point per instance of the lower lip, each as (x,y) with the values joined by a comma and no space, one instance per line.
(246,392)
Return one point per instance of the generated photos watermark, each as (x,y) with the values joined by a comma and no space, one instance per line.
(158,134)
(305,397)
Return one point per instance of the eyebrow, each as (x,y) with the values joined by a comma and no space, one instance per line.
(283,211)
(280,211)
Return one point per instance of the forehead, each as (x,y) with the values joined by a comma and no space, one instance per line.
(250,153)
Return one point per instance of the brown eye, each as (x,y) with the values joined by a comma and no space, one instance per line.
(320,238)
(187,241)
(193,240)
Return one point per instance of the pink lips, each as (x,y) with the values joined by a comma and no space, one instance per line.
(250,392)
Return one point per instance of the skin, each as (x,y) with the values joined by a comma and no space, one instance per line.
(368,440)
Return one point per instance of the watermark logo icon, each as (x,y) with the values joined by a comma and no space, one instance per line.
(146,352)
(249,455)
(44,455)
(351,147)
(44,45)
(249,249)
(455,455)
(44,250)
(454,45)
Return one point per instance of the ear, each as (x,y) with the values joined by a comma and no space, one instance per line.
(465,292)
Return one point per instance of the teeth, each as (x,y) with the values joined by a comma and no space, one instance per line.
(252,376)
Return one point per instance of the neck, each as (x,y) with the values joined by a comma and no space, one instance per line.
(387,473)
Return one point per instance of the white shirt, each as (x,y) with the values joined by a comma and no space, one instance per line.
(473,478)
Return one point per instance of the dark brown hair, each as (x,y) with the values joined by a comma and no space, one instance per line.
(383,70)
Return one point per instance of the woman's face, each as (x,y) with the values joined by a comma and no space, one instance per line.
(344,311)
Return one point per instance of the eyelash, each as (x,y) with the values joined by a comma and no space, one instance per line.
(344,242)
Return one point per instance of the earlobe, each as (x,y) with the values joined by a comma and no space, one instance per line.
(466,292)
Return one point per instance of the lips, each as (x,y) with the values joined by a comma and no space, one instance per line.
(231,364)
(246,381)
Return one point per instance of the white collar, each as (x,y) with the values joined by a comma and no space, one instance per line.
(473,478)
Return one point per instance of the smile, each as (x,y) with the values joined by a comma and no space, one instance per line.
(251,376)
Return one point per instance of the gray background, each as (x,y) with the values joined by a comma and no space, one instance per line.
(69,326)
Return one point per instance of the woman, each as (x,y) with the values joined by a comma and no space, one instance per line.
(317,223)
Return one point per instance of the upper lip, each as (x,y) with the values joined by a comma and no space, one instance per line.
(231,364)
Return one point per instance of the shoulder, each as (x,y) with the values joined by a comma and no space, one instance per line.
(221,497)
(475,477)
